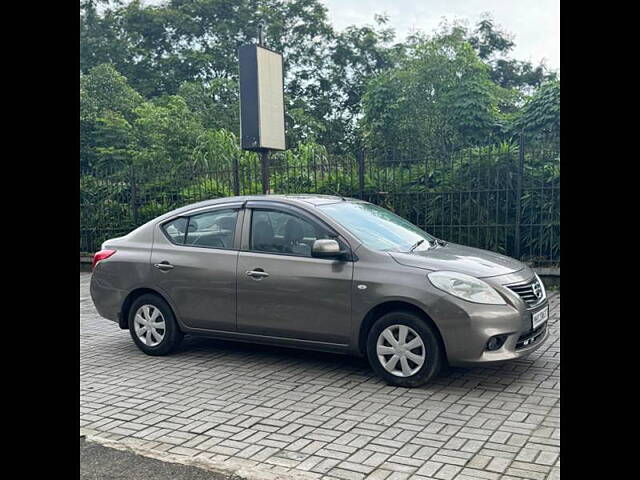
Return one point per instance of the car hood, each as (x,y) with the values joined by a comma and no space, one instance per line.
(472,261)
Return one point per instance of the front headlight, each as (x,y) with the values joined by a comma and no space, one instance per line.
(544,290)
(466,287)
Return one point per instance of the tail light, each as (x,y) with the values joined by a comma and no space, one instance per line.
(101,255)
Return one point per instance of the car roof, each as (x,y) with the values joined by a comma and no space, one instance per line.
(295,199)
(311,199)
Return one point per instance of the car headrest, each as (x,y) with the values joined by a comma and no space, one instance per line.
(293,231)
(262,235)
(226,223)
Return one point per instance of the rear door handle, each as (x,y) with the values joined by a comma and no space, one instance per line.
(163,266)
(257,274)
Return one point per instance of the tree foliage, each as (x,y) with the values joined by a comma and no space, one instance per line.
(440,95)
(159,114)
(340,86)
(540,116)
(493,45)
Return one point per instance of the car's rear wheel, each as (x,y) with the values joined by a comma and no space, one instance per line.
(153,326)
(403,349)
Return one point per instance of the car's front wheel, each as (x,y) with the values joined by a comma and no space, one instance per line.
(153,326)
(403,349)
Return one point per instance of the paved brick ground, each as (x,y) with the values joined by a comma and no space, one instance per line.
(268,412)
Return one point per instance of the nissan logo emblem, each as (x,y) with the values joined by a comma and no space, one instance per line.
(537,291)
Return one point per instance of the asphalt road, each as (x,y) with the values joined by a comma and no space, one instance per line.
(98,462)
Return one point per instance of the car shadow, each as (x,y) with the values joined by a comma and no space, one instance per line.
(494,377)
(203,344)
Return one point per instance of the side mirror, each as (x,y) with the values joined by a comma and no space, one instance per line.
(327,248)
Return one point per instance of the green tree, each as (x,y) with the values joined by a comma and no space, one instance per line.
(539,119)
(190,47)
(162,46)
(118,127)
(440,96)
(114,142)
(340,86)
(216,103)
(104,88)
(167,132)
(107,106)
(357,55)
(493,45)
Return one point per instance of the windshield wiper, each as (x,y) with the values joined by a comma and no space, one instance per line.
(416,245)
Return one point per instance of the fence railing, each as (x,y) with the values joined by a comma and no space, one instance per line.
(505,199)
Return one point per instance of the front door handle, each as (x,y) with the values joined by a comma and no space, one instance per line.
(257,274)
(164,266)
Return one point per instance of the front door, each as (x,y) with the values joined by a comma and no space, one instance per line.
(282,290)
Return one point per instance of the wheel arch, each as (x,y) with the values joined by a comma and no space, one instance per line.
(395,306)
(123,316)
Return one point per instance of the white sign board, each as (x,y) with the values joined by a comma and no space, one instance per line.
(261,99)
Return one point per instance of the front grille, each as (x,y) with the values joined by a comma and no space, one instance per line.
(527,292)
(531,337)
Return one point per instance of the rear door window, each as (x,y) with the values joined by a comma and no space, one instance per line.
(175,230)
(214,229)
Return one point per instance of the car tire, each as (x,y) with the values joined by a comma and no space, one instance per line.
(154,312)
(380,349)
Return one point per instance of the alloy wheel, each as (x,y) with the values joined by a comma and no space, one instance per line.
(149,325)
(400,350)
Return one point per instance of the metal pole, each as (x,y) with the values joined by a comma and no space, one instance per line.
(361,173)
(264,160)
(134,197)
(236,176)
(520,173)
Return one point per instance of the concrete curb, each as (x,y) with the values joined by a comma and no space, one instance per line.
(245,470)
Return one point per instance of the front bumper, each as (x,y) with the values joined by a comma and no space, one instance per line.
(512,349)
(467,327)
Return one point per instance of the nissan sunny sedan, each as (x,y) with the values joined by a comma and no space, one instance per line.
(323,273)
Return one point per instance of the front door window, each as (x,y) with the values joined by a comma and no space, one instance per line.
(280,232)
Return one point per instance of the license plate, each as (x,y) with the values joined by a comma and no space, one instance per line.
(540,317)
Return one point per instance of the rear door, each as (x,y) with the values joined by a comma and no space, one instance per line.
(194,261)
(282,290)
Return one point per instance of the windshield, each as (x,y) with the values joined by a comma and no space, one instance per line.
(378,228)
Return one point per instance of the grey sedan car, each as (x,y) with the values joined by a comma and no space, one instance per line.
(319,272)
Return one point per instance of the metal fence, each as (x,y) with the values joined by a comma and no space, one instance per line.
(505,199)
